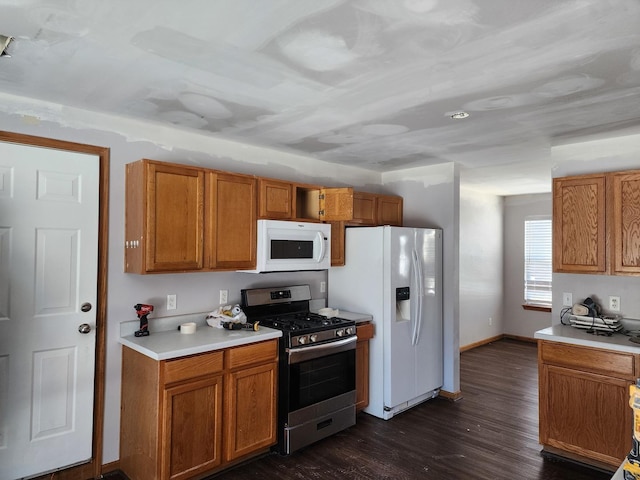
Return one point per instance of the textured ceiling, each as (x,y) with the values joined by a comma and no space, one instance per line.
(368,83)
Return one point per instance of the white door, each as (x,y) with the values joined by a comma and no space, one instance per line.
(49,202)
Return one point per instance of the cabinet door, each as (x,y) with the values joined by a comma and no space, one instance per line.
(579,230)
(364,208)
(231,221)
(389,210)
(165,205)
(336,204)
(175,222)
(192,426)
(250,410)
(274,199)
(626,222)
(585,414)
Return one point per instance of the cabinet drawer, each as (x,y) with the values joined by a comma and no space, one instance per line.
(608,362)
(255,353)
(191,367)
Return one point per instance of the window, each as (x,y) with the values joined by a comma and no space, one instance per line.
(537,261)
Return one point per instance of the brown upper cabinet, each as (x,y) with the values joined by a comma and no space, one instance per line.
(626,222)
(376,209)
(180,218)
(275,199)
(164,217)
(281,200)
(389,210)
(579,231)
(364,208)
(596,223)
(230,223)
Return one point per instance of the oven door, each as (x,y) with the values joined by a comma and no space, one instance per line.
(321,394)
(319,373)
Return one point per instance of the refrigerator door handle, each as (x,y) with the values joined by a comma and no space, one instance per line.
(416,313)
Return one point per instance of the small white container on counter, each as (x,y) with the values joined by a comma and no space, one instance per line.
(187,328)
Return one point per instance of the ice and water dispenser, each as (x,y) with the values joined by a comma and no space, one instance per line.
(403,304)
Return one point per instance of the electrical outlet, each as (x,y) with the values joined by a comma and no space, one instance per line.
(172,301)
(490,321)
(323,287)
(614,304)
(567,299)
(224,296)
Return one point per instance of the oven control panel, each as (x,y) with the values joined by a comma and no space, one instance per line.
(322,336)
(280,294)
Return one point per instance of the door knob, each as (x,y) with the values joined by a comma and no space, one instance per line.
(86,307)
(84,328)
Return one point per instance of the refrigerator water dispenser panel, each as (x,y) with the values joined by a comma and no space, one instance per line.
(403,304)
(402,293)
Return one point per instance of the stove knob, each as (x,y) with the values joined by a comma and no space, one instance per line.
(350,331)
(313,338)
(302,339)
(339,332)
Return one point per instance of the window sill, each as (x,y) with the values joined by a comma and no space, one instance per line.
(537,308)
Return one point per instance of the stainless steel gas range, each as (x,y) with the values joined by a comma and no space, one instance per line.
(316,391)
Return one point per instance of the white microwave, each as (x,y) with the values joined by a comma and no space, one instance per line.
(289,246)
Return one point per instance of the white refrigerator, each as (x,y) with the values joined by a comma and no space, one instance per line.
(395,274)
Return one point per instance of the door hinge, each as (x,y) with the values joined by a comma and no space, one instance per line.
(321,212)
(321,196)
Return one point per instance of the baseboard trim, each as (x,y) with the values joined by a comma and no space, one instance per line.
(495,339)
(481,342)
(521,339)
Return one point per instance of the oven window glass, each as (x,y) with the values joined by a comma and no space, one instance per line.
(319,379)
(286,249)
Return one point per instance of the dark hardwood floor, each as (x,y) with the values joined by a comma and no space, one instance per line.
(491,433)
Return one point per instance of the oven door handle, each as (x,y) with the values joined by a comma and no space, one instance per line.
(301,354)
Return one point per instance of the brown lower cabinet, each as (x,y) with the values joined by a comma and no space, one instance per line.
(365,333)
(584,402)
(190,416)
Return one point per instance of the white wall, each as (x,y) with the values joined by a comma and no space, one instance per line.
(481,259)
(518,321)
(432,196)
(593,156)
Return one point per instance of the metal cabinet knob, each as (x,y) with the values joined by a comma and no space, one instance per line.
(85,307)
(84,328)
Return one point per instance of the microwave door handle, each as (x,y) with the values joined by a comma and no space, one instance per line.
(321,252)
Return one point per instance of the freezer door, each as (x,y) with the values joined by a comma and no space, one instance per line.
(412,330)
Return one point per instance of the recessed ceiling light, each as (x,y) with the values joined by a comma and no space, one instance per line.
(459,115)
(4,44)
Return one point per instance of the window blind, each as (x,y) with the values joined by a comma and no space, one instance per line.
(537,262)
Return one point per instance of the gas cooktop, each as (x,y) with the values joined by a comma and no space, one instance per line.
(287,309)
(307,321)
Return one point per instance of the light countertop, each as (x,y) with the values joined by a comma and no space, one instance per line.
(172,344)
(568,334)
(618,475)
(356,317)
(166,342)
